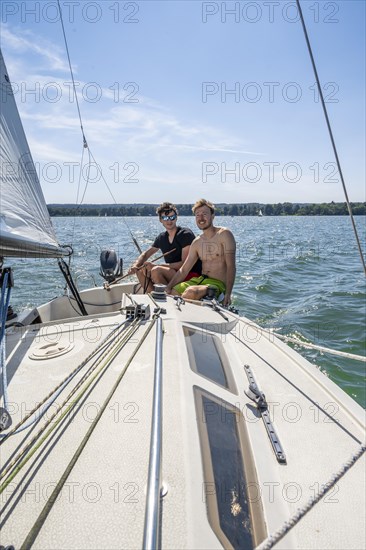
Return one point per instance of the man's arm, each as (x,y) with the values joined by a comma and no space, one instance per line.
(178,265)
(229,245)
(142,259)
(185,238)
(185,269)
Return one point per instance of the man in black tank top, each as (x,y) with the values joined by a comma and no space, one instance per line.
(174,243)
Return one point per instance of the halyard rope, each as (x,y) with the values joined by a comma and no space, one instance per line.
(33,533)
(62,384)
(28,451)
(275,537)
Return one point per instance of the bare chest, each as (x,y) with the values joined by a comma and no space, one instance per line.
(211,250)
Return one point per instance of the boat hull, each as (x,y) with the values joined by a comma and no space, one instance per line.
(83,481)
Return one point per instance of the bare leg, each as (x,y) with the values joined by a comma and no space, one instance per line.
(195,292)
(143,276)
(162,274)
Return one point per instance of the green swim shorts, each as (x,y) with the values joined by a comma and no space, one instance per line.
(219,286)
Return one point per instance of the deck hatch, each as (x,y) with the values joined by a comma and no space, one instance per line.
(230,487)
(207,357)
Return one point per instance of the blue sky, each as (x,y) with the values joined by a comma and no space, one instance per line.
(154,91)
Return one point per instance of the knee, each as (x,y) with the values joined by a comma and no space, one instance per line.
(157,273)
(195,292)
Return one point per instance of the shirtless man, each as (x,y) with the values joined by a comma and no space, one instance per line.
(216,248)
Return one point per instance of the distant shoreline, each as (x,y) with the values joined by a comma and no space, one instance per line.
(234,209)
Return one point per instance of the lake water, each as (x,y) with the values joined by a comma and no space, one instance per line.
(300,275)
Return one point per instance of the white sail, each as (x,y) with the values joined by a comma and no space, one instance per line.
(25,225)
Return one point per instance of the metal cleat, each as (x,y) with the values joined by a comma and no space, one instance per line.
(138,311)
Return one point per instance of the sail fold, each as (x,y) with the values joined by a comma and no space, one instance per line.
(25,226)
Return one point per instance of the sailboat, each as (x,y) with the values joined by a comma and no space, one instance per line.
(131,420)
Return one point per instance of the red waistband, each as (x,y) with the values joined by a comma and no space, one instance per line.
(191,274)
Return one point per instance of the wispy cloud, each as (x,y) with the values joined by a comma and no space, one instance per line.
(218,149)
(22,41)
(167,149)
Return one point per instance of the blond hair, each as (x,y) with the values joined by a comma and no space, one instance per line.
(203,202)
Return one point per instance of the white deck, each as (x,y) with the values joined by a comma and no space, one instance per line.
(102,502)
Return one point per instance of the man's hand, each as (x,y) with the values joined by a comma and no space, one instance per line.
(226,300)
(133,269)
(148,265)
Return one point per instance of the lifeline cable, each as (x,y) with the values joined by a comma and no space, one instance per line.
(296,341)
(318,348)
(272,539)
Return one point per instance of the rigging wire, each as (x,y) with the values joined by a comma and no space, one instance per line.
(65,270)
(78,192)
(80,174)
(85,143)
(4,304)
(331,134)
(72,75)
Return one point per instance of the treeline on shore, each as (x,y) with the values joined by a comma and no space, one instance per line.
(249,209)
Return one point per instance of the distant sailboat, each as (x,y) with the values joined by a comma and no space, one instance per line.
(260,213)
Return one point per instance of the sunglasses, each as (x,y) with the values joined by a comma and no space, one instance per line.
(169,218)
